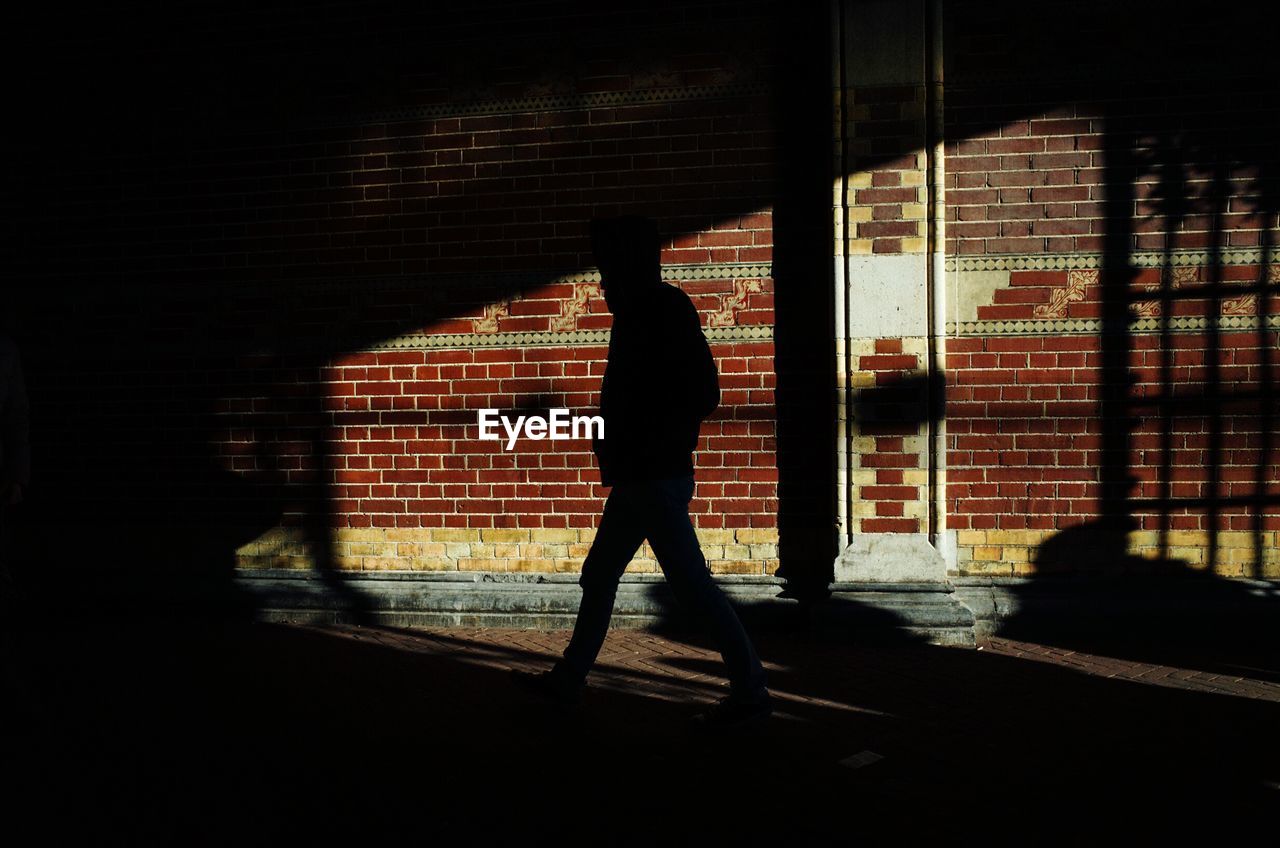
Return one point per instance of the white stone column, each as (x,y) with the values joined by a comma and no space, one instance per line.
(890,292)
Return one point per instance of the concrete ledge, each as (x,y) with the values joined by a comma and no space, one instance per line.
(889,612)
(959,611)
(894,612)
(489,599)
(956,611)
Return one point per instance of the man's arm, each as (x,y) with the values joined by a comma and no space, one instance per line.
(701,380)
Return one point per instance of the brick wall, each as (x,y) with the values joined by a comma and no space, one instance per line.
(1110,204)
(267,289)
(268,265)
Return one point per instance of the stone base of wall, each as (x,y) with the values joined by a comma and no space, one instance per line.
(489,599)
(863,612)
(962,611)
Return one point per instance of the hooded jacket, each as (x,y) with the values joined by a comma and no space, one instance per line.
(659,384)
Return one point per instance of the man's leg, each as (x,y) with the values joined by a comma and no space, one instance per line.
(616,542)
(674,542)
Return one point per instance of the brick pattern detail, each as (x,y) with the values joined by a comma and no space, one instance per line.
(1024,429)
(1076,293)
(886,199)
(889,442)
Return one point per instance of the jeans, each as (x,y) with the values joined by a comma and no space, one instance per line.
(657,510)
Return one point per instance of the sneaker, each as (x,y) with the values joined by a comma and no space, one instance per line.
(548,685)
(731,712)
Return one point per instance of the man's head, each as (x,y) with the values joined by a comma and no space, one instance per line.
(627,251)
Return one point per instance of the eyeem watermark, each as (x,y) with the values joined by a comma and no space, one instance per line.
(560,426)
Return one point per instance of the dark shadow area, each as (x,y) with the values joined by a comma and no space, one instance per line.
(261,733)
(804,302)
(237,197)
(897,405)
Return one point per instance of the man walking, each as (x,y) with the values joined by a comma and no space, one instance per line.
(658,386)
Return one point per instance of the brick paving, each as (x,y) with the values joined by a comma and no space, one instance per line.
(212,733)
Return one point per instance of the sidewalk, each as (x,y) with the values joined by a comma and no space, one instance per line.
(256,734)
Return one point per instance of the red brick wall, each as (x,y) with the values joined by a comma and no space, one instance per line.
(266,292)
(1120,175)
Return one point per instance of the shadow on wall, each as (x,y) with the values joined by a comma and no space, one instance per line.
(199,240)
(1087,592)
(1187,431)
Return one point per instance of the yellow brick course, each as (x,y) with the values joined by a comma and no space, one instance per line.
(747,550)
(988,552)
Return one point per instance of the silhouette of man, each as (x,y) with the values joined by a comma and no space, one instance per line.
(659,384)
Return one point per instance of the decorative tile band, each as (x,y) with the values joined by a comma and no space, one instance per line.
(1162,75)
(513,280)
(1084,261)
(509,280)
(585,338)
(745,279)
(546,103)
(722,324)
(1093,326)
(1061,294)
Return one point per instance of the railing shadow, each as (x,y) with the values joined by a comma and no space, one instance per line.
(1186,423)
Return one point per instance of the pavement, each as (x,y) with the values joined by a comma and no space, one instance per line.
(217,732)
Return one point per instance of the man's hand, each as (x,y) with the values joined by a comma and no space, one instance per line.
(13,494)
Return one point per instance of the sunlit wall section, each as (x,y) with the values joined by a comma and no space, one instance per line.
(1111,217)
(885,87)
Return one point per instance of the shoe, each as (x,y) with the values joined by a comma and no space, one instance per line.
(732,712)
(549,686)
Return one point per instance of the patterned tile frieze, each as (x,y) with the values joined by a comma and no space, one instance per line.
(430,289)
(1084,261)
(1093,326)
(1072,299)
(542,103)
(730,304)
(509,281)
(1072,292)
(582,338)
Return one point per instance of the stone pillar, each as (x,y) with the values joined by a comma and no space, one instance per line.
(888,215)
